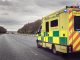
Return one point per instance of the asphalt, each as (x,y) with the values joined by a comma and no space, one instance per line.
(23,47)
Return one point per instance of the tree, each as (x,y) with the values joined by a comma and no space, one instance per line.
(2,30)
(30,28)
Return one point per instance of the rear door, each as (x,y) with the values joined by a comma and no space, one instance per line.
(76,31)
(76,38)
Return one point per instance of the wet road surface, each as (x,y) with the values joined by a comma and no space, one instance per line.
(23,47)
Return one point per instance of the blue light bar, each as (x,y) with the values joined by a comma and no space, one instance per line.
(65,10)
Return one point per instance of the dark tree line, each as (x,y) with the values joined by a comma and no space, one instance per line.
(2,30)
(30,28)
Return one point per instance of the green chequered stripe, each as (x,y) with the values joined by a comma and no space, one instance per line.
(63,40)
(56,33)
(50,39)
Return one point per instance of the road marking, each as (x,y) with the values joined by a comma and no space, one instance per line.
(34,53)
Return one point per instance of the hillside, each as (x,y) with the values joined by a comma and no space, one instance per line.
(30,28)
(2,30)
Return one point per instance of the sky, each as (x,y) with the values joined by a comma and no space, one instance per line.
(15,13)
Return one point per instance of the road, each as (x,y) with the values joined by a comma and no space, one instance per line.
(23,47)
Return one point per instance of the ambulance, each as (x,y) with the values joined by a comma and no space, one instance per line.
(60,31)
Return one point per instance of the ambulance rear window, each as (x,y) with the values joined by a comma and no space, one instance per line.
(77,23)
(54,23)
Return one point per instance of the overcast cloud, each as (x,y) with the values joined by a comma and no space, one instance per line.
(15,13)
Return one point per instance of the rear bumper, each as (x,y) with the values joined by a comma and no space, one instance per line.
(63,48)
(70,49)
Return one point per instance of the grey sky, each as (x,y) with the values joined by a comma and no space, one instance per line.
(15,13)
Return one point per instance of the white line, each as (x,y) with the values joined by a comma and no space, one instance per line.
(34,53)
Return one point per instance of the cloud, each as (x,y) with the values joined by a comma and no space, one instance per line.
(6,21)
(53,4)
(46,4)
(18,12)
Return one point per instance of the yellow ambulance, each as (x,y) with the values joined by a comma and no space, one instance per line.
(60,31)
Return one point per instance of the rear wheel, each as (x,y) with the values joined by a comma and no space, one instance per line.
(38,45)
(54,50)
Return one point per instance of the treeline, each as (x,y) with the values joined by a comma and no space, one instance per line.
(2,30)
(30,28)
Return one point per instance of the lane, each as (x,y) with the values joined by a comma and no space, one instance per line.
(29,44)
(5,50)
(22,47)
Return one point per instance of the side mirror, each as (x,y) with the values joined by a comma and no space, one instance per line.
(39,31)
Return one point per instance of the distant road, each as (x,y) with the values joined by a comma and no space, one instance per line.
(22,47)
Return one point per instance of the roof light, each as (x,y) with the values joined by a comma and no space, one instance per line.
(65,10)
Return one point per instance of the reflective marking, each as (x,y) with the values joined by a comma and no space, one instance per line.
(70,19)
(75,39)
(76,46)
(71,35)
(71,27)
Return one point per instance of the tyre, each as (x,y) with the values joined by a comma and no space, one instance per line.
(54,50)
(38,45)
